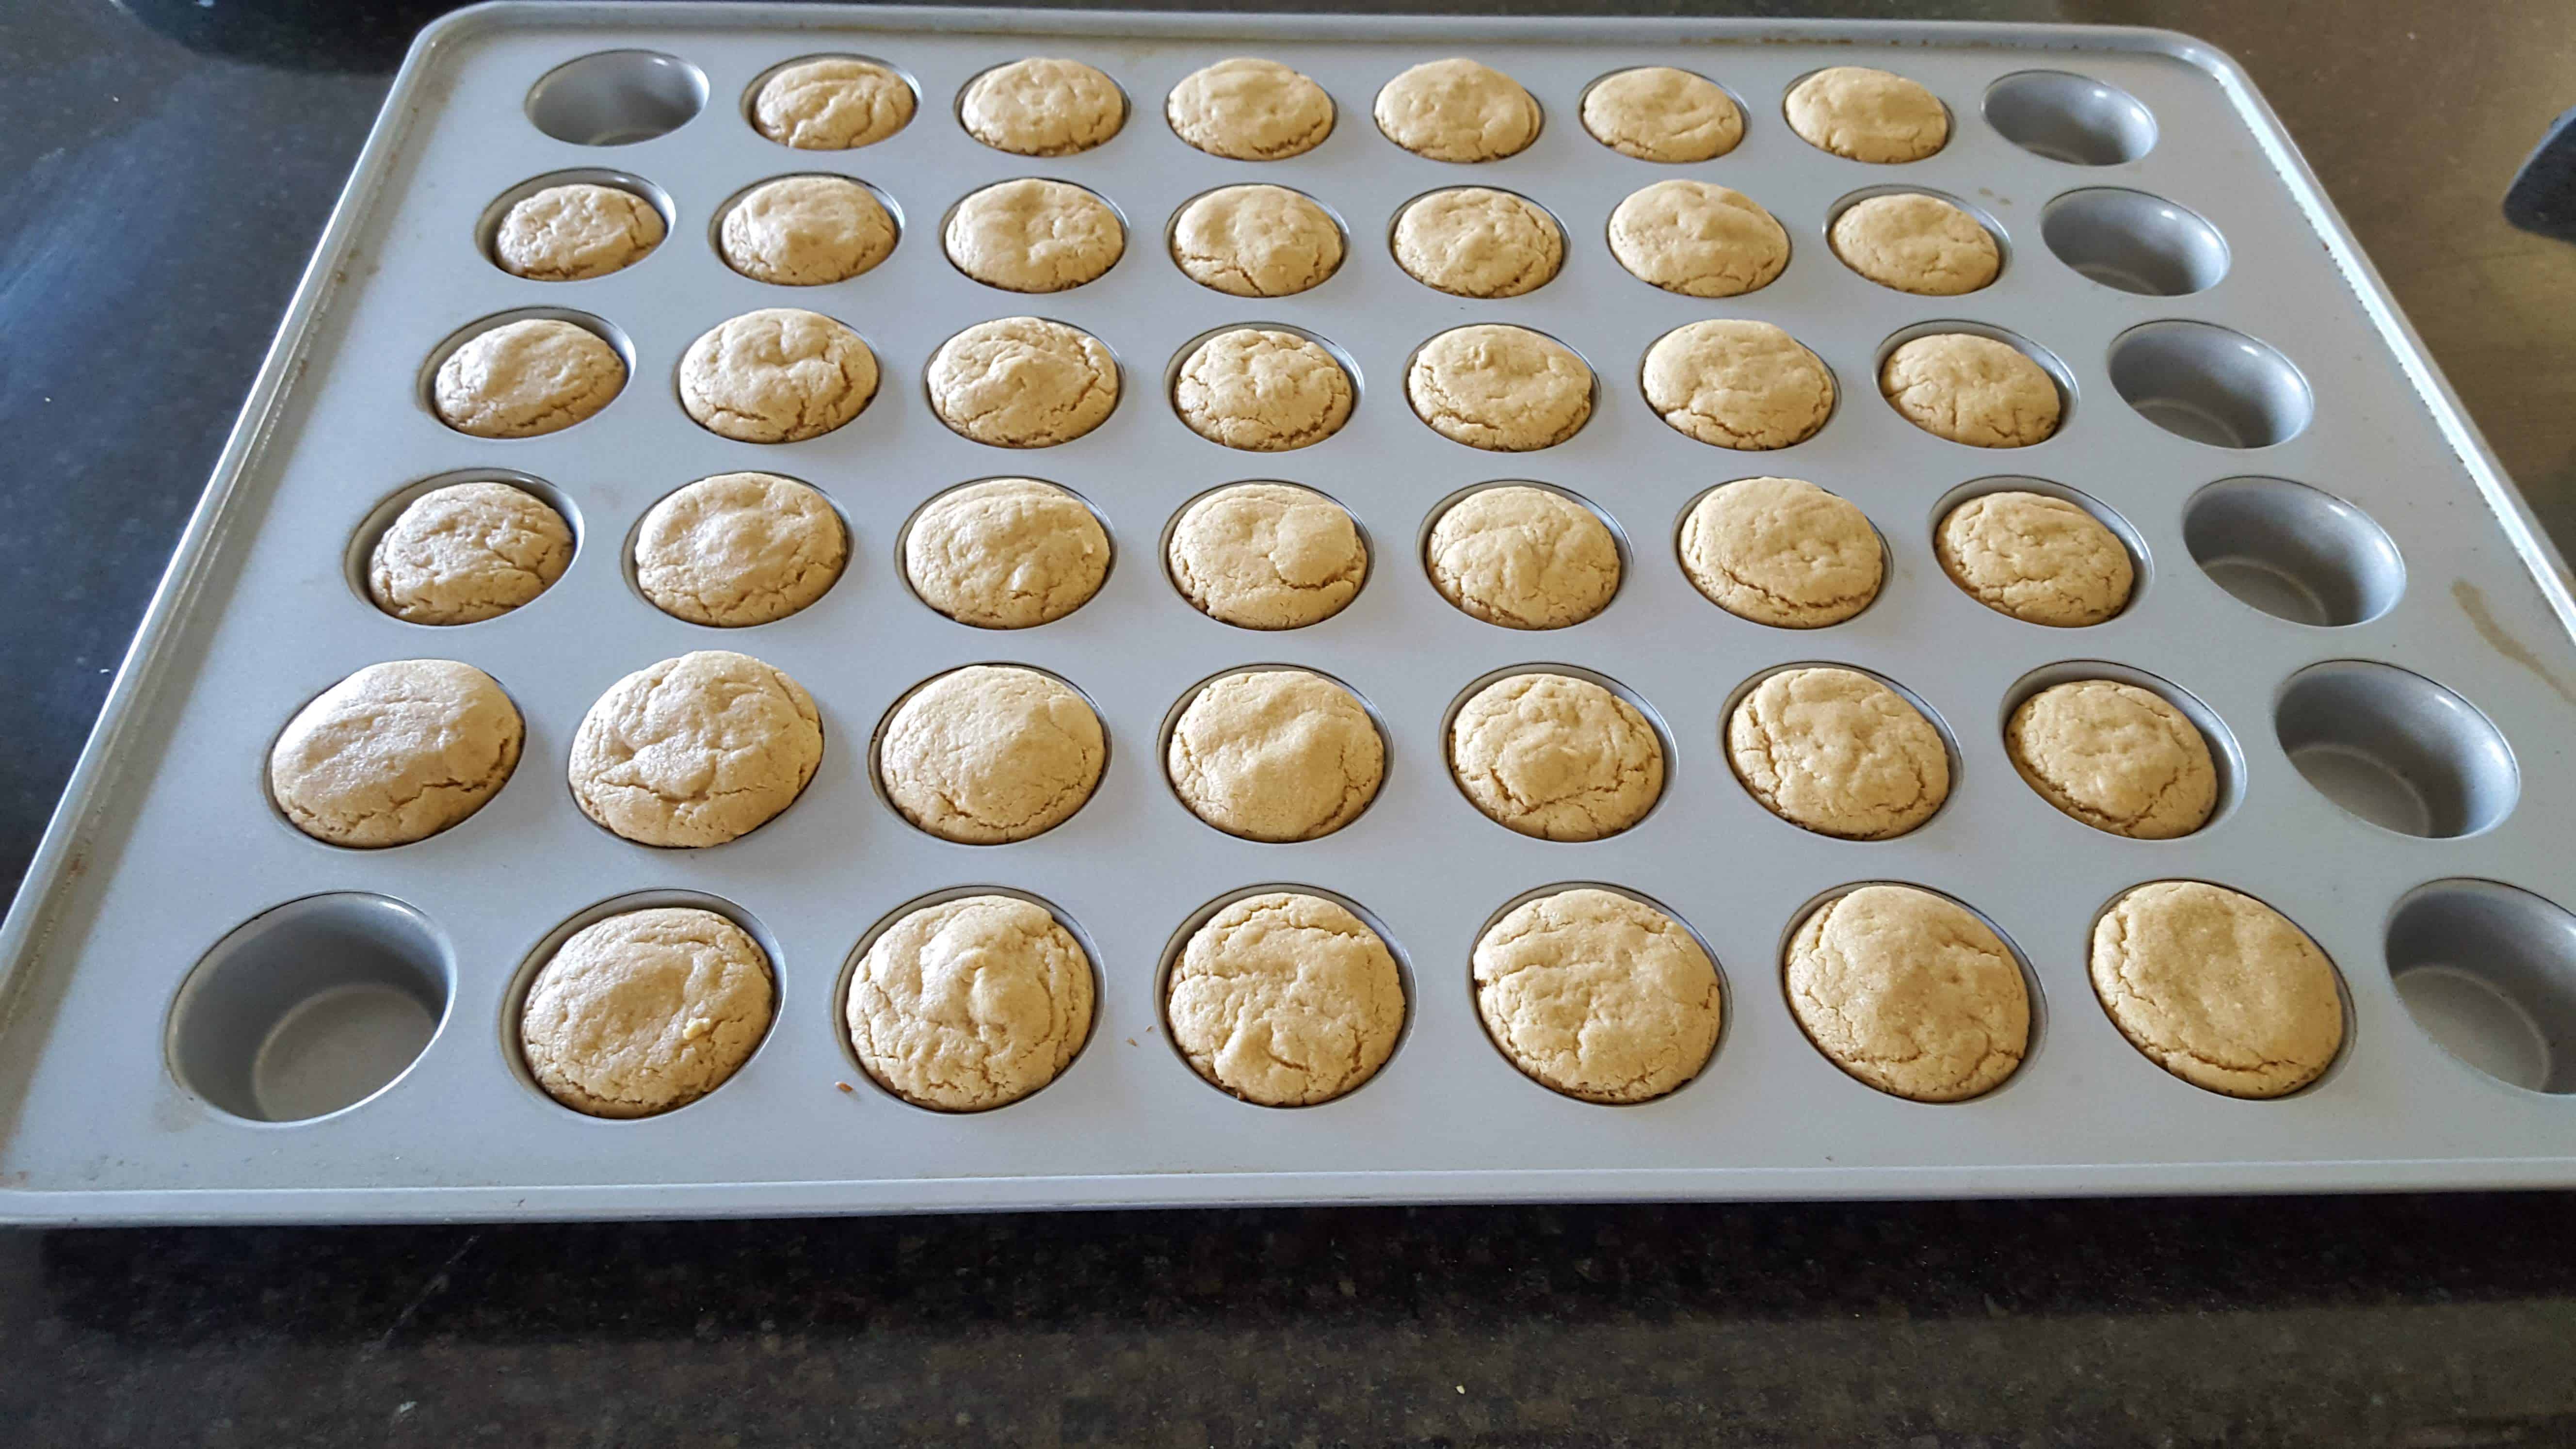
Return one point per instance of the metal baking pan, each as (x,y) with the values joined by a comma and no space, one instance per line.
(166,845)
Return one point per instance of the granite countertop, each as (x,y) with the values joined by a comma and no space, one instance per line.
(164,169)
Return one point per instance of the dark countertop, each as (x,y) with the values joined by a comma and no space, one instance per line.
(157,201)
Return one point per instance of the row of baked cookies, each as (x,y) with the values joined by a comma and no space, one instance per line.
(702,749)
(1290,998)
(1034,235)
(784,375)
(741,549)
(1250,109)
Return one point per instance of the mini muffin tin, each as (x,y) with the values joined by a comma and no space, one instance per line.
(2333,578)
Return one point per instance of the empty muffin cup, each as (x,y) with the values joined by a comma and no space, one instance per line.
(311,1007)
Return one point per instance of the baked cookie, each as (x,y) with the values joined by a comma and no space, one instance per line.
(2117,757)
(1867,115)
(1263,391)
(1598,995)
(739,549)
(778,375)
(1972,390)
(1909,992)
(395,753)
(1034,236)
(575,231)
(1256,241)
(1503,389)
(970,1004)
(2040,559)
(991,753)
(1916,243)
(1657,113)
(1285,1000)
(1267,556)
(1556,757)
(1042,107)
(831,103)
(1474,241)
(695,751)
(1457,110)
(521,379)
(2217,988)
(1738,384)
(1783,552)
(467,552)
(1275,754)
(1836,752)
(806,231)
(1698,238)
(1006,553)
(646,1011)
(1250,110)
(1523,557)
(1023,382)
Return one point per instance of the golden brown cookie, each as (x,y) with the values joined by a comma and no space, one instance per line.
(520,379)
(831,103)
(806,231)
(1836,752)
(2038,558)
(1474,241)
(1867,115)
(1503,389)
(1250,110)
(1256,241)
(395,753)
(1916,243)
(1598,995)
(1909,992)
(739,549)
(2218,988)
(1023,382)
(1042,107)
(1275,754)
(1737,384)
(991,753)
(646,1011)
(2117,757)
(1006,553)
(1285,1000)
(1457,110)
(1971,389)
(1782,551)
(1523,557)
(970,1004)
(1263,391)
(576,231)
(1556,757)
(1657,113)
(1698,238)
(778,375)
(1031,235)
(468,552)
(1267,556)
(695,751)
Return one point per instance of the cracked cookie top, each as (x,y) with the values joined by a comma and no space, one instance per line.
(991,753)
(1836,752)
(1556,757)
(395,753)
(2217,988)
(696,750)
(2119,758)
(1598,995)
